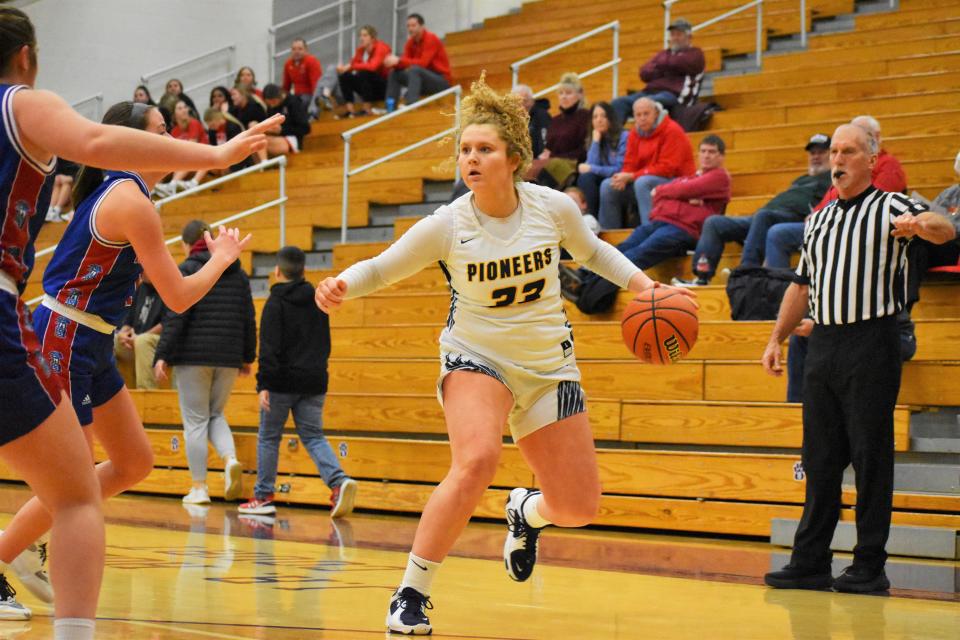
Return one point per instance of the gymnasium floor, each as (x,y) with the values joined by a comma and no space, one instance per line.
(210,574)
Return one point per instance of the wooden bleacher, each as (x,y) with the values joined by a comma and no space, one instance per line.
(706,445)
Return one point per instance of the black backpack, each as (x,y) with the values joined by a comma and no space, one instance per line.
(755,292)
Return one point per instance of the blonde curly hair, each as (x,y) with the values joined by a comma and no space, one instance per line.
(503,111)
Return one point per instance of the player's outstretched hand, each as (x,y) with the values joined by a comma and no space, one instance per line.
(227,245)
(330,294)
(250,141)
(771,359)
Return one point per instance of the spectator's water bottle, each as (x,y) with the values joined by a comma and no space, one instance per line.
(391,105)
(703,266)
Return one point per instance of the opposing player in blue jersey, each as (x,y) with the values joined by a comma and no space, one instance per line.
(40,438)
(114,235)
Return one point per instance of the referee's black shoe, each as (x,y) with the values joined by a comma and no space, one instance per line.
(856,579)
(796,577)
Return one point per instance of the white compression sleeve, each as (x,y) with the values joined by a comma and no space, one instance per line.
(424,243)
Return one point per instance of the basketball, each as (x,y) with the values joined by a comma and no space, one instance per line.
(660,326)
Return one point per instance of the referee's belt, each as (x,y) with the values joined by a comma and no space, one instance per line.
(8,284)
(90,320)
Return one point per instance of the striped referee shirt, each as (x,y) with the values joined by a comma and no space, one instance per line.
(855,269)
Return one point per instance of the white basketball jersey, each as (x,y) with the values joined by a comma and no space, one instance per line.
(505,300)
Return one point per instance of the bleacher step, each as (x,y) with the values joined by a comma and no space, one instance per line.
(936,431)
(437,190)
(923,471)
(920,542)
(937,577)
(386,214)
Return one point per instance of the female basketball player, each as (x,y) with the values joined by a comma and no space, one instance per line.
(92,275)
(40,438)
(507,350)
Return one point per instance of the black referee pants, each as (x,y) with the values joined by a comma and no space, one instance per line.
(850,388)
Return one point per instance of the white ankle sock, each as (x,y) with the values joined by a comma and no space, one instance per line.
(73,629)
(531,512)
(419,574)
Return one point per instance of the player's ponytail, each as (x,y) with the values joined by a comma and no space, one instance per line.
(16,31)
(124,114)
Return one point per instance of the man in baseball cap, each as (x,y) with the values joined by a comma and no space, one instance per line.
(818,141)
(672,76)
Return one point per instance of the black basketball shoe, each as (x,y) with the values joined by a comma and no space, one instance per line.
(520,547)
(407,614)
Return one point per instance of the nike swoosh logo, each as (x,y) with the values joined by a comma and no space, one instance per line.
(467,240)
(419,565)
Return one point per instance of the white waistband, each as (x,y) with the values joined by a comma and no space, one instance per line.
(90,320)
(8,284)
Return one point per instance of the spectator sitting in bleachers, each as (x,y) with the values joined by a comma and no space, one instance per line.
(292,377)
(185,127)
(785,238)
(792,205)
(288,137)
(608,146)
(246,110)
(61,201)
(247,78)
(222,127)
(577,195)
(175,88)
(301,72)
(539,111)
(565,145)
(142,95)
(423,68)
(365,75)
(672,76)
(658,151)
(220,100)
(137,339)
(679,211)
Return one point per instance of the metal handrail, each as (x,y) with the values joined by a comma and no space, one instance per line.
(98,98)
(456,90)
(614,61)
(667,4)
(280,161)
(339,31)
(145,78)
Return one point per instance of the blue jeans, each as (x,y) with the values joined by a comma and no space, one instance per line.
(614,203)
(624,104)
(590,183)
(749,230)
(308,418)
(652,243)
(783,240)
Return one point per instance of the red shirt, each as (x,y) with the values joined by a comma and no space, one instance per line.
(665,152)
(887,175)
(427,53)
(374,61)
(301,76)
(194,132)
(671,202)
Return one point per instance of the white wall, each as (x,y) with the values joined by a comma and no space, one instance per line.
(93,46)
(443,16)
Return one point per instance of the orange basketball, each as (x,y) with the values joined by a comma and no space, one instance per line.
(660,326)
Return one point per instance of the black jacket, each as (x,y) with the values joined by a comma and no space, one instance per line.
(539,121)
(297,122)
(218,331)
(294,341)
(147,309)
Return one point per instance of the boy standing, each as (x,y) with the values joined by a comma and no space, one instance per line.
(292,376)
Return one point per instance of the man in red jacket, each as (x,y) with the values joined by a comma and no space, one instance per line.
(423,68)
(680,208)
(672,76)
(658,150)
(301,71)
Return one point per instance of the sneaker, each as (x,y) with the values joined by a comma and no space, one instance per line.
(258,506)
(10,609)
(795,577)
(53,215)
(377,111)
(232,479)
(570,282)
(520,548)
(856,579)
(165,189)
(342,497)
(407,614)
(29,569)
(693,282)
(197,495)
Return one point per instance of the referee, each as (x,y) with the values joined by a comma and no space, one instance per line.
(851,280)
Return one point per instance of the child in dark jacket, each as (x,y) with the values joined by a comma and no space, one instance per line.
(292,376)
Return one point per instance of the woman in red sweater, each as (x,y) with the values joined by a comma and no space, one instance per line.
(185,127)
(365,75)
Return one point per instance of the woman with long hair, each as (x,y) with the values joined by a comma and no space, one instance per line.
(506,354)
(607,148)
(114,235)
(365,75)
(40,437)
